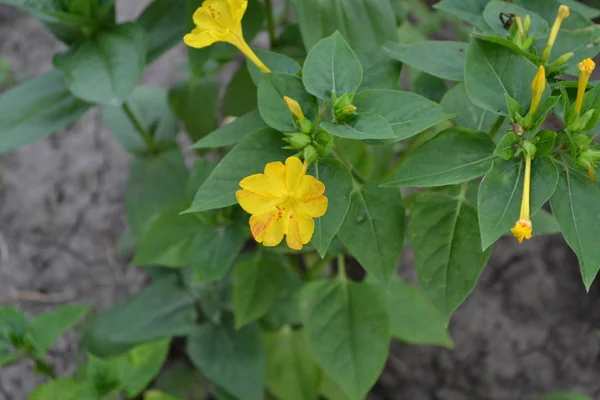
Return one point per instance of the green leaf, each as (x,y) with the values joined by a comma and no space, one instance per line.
(468,10)
(493,9)
(155,182)
(365,24)
(453,156)
(444,59)
(429,86)
(141,365)
(500,193)
(365,126)
(12,322)
(544,223)
(338,188)
(241,94)
(564,396)
(508,146)
(163,21)
(248,157)
(103,375)
(413,319)
(195,103)
(379,70)
(346,327)
(158,395)
(332,68)
(233,359)
(575,206)
(35,109)
(48,327)
(106,68)
(416,114)
(273,110)
(149,106)
(491,71)
(255,286)
(64,389)
(467,114)
(292,373)
(375,219)
(231,133)
(444,233)
(503,41)
(275,61)
(162,310)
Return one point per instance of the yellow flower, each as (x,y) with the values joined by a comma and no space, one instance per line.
(221,21)
(294,107)
(586,67)
(283,201)
(563,13)
(538,85)
(523,227)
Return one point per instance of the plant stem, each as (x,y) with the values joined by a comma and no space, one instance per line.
(148,140)
(341,264)
(270,22)
(497,125)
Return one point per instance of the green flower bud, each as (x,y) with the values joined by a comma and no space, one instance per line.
(310,154)
(582,140)
(324,143)
(305,126)
(529,148)
(343,109)
(298,140)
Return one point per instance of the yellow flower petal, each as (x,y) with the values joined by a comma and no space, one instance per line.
(275,173)
(221,13)
(254,203)
(267,228)
(294,173)
(238,8)
(309,197)
(204,21)
(313,206)
(259,184)
(522,229)
(299,230)
(199,38)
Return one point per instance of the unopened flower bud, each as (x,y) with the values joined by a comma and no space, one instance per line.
(563,13)
(538,85)
(298,141)
(294,107)
(310,154)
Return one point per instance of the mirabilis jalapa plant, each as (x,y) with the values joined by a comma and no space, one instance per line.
(248,256)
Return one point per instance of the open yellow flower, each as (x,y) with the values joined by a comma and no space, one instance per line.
(221,21)
(524,227)
(283,201)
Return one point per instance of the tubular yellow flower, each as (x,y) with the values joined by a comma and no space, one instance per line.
(586,67)
(294,107)
(283,201)
(563,13)
(523,227)
(221,21)
(538,85)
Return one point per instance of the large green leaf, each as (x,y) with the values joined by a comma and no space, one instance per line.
(13,327)
(380,71)
(149,106)
(141,365)
(155,182)
(233,359)
(375,219)
(413,319)
(500,193)
(162,310)
(106,68)
(364,126)
(444,233)
(240,96)
(444,59)
(46,328)
(231,133)
(415,115)
(493,9)
(275,61)
(453,156)
(467,114)
(365,24)
(332,68)
(468,10)
(248,157)
(273,110)
(491,71)
(338,188)
(64,389)
(255,286)
(346,326)
(292,373)
(195,103)
(576,208)
(35,109)
(163,20)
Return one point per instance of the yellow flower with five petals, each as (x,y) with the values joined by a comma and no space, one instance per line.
(221,21)
(283,201)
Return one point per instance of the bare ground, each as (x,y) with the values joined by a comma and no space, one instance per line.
(528,328)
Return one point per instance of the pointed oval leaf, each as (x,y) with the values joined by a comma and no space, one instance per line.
(232,132)
(275,61)
(365,126)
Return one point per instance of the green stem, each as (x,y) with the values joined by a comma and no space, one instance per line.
(341,264)
(148,140)
(497,125)
(270,22)
(44,368)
